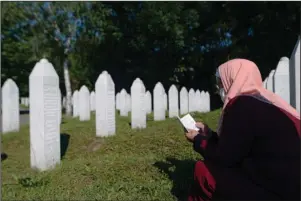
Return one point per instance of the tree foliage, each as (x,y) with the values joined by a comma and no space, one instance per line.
(172,42)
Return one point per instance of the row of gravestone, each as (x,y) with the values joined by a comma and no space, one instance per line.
(198,102)
(45,107)
(285,79)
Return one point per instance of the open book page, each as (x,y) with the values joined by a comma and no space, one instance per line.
(188,122)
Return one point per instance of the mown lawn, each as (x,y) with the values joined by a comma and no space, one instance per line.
(151,164)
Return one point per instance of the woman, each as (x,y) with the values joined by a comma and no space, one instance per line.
(255,154)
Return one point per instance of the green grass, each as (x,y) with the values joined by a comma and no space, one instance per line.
(151,164)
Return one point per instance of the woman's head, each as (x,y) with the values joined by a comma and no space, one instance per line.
(236,77)
(240,76)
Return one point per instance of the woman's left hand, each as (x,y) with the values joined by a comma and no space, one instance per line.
(191,134)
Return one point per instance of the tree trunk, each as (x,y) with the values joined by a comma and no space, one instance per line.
(68,89)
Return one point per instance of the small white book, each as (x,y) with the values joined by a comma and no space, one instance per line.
(188,122)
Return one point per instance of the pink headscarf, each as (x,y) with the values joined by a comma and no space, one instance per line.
(242,77)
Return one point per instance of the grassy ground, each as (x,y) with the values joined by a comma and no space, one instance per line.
(151,164)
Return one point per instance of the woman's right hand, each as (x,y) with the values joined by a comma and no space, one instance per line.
(200,125)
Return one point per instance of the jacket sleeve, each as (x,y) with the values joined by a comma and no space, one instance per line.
(205,144)
(235,138)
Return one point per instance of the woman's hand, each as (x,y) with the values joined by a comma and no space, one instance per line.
(191,134)
(200,125)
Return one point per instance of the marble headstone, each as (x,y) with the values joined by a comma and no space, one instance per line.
(183,101)
(294,75)
(122,103)
(105,112)
(138,115)
(191,100)
(148,102)
(173,101)
(10,107)
(92,101)
(44,108)
(84,104)
(159,102)
(270,81)
(281,79)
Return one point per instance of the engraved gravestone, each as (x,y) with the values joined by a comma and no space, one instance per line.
(84,104)
(92,101)
(165,100)
(148,102)
(122,103)
(173,96)
(270,81)
(191,99)
(159,102)
(281,79)
(105,112)
(138,115)
(44,112)
(10,107)
(198,101)
(183,101)
(294,76)
(75,100)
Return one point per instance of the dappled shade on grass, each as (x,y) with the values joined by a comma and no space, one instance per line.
(151,164)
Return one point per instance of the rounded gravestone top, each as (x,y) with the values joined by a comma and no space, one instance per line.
(272,72)
(284,59)
(44,61)
(10,83)
(43,68)
(84,88)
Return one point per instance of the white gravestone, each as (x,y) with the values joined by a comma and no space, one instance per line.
(159,102)
(122,103)
(203,101)
(92,101)
(138,115)
(128,102)
(84,104)
(173,97)
(26,102)
(148,102)
(295,77)
(270,81)
(207,103)
(198,101)
(281,79)
(117,101)
(75,100)
(165,101)
(265,83)
(191,99)
(10,107)
(105,112)
(183,101)
(45,151)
